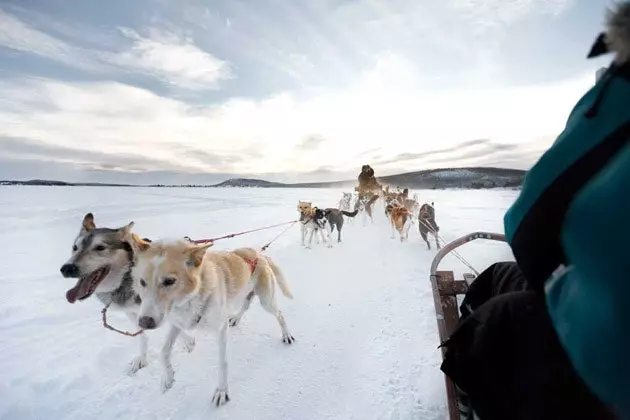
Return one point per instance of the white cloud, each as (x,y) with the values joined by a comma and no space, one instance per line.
(20,36)
(245,136)
(172,59)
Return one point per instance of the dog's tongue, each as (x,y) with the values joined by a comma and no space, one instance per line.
(78,290)
(71,295)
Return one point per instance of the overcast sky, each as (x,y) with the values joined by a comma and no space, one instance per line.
(191,90)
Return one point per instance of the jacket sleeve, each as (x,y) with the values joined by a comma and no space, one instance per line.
(588,300)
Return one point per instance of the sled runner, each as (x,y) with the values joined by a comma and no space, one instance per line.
(445,291)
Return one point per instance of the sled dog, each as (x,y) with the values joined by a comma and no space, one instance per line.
(400,220)
(427,223)
(192,288)
(101,260)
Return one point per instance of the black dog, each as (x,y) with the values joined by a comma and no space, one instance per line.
(335,219)
(426,224)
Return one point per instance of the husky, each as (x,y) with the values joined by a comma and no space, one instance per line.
(317,223)
(335,219)
(312,221)
(101,260)
(364,206)
(345,204)
(399,219)
(191,288)
(427,223)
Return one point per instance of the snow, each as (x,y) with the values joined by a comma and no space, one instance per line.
(362,316)
(453,173)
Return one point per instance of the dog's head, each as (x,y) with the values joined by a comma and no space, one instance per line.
(165,274)
(100,257)
(305,208)
(319,217)
(427,211)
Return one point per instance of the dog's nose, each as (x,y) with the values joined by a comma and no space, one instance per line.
(69,270)
(147,323)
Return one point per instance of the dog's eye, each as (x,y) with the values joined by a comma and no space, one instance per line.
(143,283)
(74,248)
(99,247)
(169,281)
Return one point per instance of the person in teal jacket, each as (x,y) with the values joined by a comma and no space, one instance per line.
(570,225)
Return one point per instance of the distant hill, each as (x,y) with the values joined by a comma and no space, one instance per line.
(248,183)
(457,178)
(475,178)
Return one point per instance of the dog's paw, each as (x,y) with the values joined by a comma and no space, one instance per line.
(221,397)
(168,379)
(189,343)
(233,321)
(136,364)
(288,339)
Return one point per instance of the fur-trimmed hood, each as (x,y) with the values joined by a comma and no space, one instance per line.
(616,38)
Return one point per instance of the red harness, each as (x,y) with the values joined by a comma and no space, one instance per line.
(252,263)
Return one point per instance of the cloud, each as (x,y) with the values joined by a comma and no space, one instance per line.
(449,150)
(172,59)
(269,136)
(25,149)
(20,36)
(310,142)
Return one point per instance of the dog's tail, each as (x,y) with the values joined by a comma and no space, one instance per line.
(347,213)
(282,282)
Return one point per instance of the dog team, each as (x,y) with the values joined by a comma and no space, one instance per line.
(183,286)
(400,210)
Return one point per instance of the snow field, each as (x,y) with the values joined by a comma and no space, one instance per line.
(362,315)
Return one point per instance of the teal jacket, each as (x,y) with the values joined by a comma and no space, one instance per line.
(568,231)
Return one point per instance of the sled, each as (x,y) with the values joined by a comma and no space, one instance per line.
(445,291)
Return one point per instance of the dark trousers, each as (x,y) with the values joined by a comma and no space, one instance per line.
(506,357)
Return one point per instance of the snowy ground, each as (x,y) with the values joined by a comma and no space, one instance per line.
(362,315)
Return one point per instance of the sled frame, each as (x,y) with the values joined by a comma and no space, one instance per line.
(445,291)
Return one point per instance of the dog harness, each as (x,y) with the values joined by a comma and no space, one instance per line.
(252,263)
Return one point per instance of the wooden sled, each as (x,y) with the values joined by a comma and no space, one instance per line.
(445,291)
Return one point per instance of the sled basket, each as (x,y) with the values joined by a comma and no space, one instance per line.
(445,291)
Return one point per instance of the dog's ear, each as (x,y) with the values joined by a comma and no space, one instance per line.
(197,253)
(126,230)
(88,223)
(137,243)
(432,204)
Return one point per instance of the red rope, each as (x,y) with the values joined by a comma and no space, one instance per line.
(232,235)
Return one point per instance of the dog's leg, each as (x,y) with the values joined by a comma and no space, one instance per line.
(221,395)
(407,227)
(310,238)
(268,302)
(140,360)
(235,319)
(339,230)
(188,341)
(325,238)
(425,237)
(168,374)
(303,233)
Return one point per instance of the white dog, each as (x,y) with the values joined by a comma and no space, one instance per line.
(190,288)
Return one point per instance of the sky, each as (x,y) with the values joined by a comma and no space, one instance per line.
(165,91)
